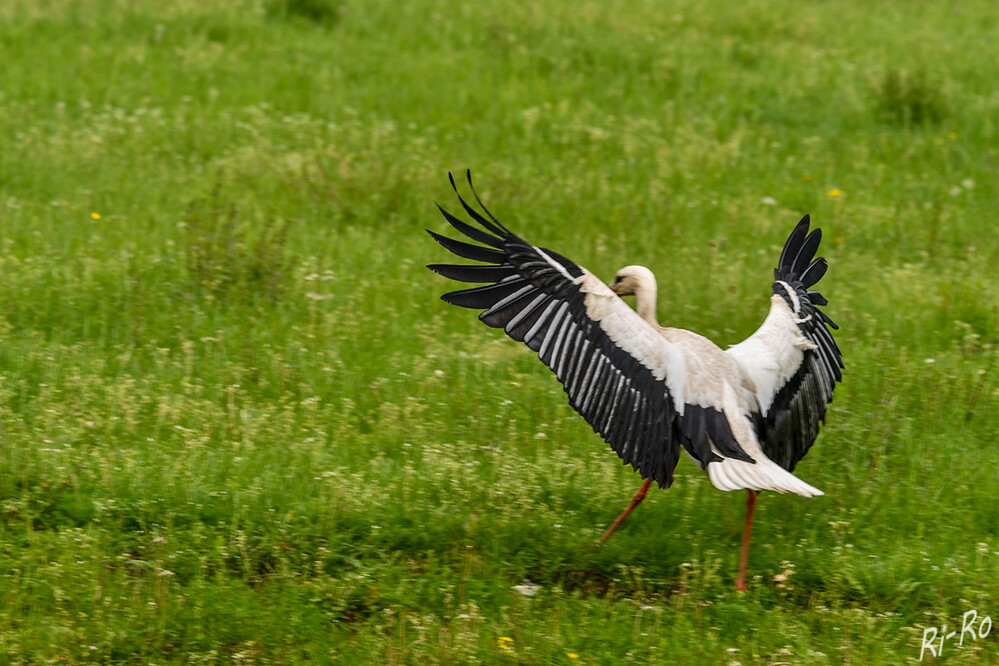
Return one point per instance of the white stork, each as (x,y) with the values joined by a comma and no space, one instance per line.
(747,414)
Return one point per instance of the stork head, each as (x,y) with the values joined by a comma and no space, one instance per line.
(632,280)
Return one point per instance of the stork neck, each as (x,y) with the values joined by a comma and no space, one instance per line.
(645,300)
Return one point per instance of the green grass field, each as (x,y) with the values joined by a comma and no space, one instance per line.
(238,426)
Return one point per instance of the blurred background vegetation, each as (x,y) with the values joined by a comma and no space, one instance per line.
(237,426)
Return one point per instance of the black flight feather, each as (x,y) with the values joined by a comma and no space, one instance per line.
(791,248)
(792,421)
(495,228)
(473,273)
(480,298)
(805,254)
(814,272)
(472,232)
(469,251)
(471,186)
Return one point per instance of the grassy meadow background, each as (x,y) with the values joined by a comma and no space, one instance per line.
(238,426)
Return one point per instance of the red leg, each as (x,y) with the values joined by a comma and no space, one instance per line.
(635,501)
(740,582)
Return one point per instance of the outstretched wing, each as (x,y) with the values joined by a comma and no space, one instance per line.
(792,358)
(620,374)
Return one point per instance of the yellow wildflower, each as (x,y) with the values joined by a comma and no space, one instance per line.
(95,216)
(835,192)
(572,655)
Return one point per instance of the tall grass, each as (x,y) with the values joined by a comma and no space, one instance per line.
(238,426)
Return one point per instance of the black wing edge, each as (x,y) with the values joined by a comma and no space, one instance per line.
(799,268)
(798,409)
(515,263)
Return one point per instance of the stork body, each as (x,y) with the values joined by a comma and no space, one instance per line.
(747,414)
